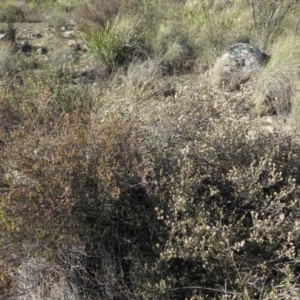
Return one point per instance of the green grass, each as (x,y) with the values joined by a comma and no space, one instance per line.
(114,44)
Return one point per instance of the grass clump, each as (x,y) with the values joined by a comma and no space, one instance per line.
(172,46)
(140,34)
(112,45)
(295,110)
(275,86)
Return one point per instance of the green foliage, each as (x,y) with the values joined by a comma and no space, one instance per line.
(112,45)
(140,31)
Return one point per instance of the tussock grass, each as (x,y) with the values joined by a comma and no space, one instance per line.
(274,90)
(113,45)
(143,77)
(173,46)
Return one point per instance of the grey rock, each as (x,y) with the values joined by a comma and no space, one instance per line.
(241,56)
(67,27)
(36,35)
(42,50)
(2,36)
(237,64)
(71,56)
(74,46)
(68,34)
(246,55)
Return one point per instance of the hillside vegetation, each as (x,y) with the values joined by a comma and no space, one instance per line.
(129,170)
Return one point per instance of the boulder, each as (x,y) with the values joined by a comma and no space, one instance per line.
(238,62)
(243,55)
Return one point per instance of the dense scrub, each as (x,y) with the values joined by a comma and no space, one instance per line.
(150,183)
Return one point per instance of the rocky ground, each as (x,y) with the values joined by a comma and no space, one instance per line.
(64,46)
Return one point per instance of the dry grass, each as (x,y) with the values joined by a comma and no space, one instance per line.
(213,28)
(6,59)
(142,78)
(99,12)
(295,110)
(38,279)
(274,89)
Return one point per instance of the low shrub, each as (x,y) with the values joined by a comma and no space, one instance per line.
(123,190)
(229,204)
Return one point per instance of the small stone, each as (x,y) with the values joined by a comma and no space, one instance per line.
(2,36)
(19,80)
(26,48)
(42,50)
(73,45)
(37,35)
(68,34)
(67,27)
